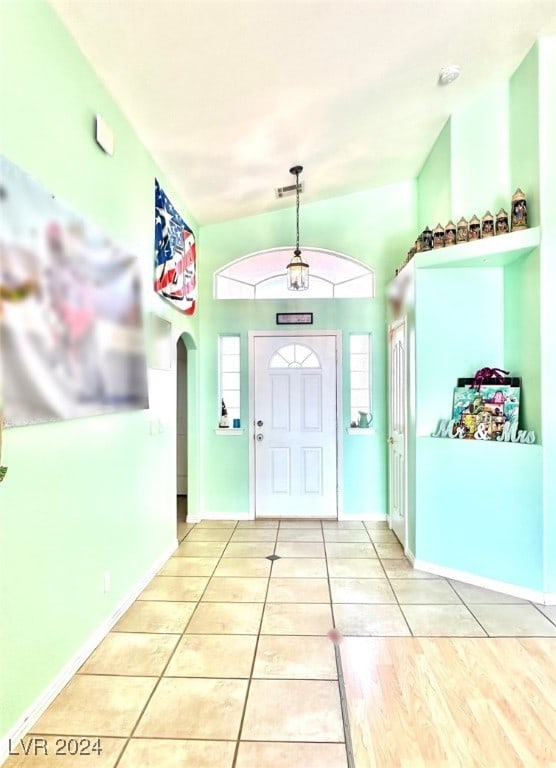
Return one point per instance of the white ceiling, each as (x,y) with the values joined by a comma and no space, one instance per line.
(227,95)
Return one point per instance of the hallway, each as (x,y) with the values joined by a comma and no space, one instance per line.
(224,662)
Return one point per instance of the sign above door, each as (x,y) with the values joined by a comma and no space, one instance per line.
(294,318)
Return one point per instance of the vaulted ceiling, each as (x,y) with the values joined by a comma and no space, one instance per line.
(227,95)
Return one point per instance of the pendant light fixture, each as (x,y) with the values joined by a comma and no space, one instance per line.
(298,270)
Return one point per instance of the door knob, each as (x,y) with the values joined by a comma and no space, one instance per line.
(259,437)
(260,423)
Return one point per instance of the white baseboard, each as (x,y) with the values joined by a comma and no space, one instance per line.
(231,516)
(32,714)
(535,596)
(217,516)
(410,556)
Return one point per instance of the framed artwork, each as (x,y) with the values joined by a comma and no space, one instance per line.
(71,317)
(487,409)
(175,276)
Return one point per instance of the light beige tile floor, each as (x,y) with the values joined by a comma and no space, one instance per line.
(224,660)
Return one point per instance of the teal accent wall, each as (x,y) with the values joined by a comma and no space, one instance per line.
(547,158)
(481,509)
(97,494)
(487,149)
(478,505)
(374,227)
(434,183)
(522,280)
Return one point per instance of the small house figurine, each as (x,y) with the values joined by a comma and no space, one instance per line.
(502,222)
(450,233)
(418,245)
(223,423)
(519,210)
(462,235)
(474,228)
(488,225)
(438,236)
(426,239)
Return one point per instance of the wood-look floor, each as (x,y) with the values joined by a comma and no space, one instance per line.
(451,702)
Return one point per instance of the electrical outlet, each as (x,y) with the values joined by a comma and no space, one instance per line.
(107,580)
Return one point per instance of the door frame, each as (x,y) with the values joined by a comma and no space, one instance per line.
(251,336)
(393,326)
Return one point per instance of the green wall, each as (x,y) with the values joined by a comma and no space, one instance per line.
(479,162)
(434,183)
(91,495)
(488,148)
(547,132)
(375,227)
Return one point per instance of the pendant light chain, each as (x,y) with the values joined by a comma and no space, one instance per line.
(297,211)
(297,269)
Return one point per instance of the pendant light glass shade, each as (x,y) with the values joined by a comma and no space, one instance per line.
(297,269)
(298,273)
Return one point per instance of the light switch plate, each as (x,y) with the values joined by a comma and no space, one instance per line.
(104,135)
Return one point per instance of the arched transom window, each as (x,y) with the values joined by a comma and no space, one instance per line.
(262,275)
(294,356)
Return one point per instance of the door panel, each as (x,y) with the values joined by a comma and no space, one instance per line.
(296,444)
(397,424)
(311,403)
(280,463)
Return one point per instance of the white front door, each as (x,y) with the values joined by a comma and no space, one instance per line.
(397,428)
(295,426)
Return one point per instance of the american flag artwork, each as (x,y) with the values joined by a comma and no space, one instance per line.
(175,276)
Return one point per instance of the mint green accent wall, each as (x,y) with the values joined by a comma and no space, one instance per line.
(91,495)
(480,173)
(524,133)
(547,132)
(372,226)
(484,515)
(523,329)
(434,184)
(455,495)
(522,354)
(451,347)
(489,147)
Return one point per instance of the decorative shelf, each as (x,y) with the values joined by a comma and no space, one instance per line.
(360,431)
(496,251)
(230,431)
(447,440)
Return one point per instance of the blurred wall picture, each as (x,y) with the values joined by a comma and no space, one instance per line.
(174,255)
(71,335)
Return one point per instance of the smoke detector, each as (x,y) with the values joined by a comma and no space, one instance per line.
(447,75)
(289,190)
